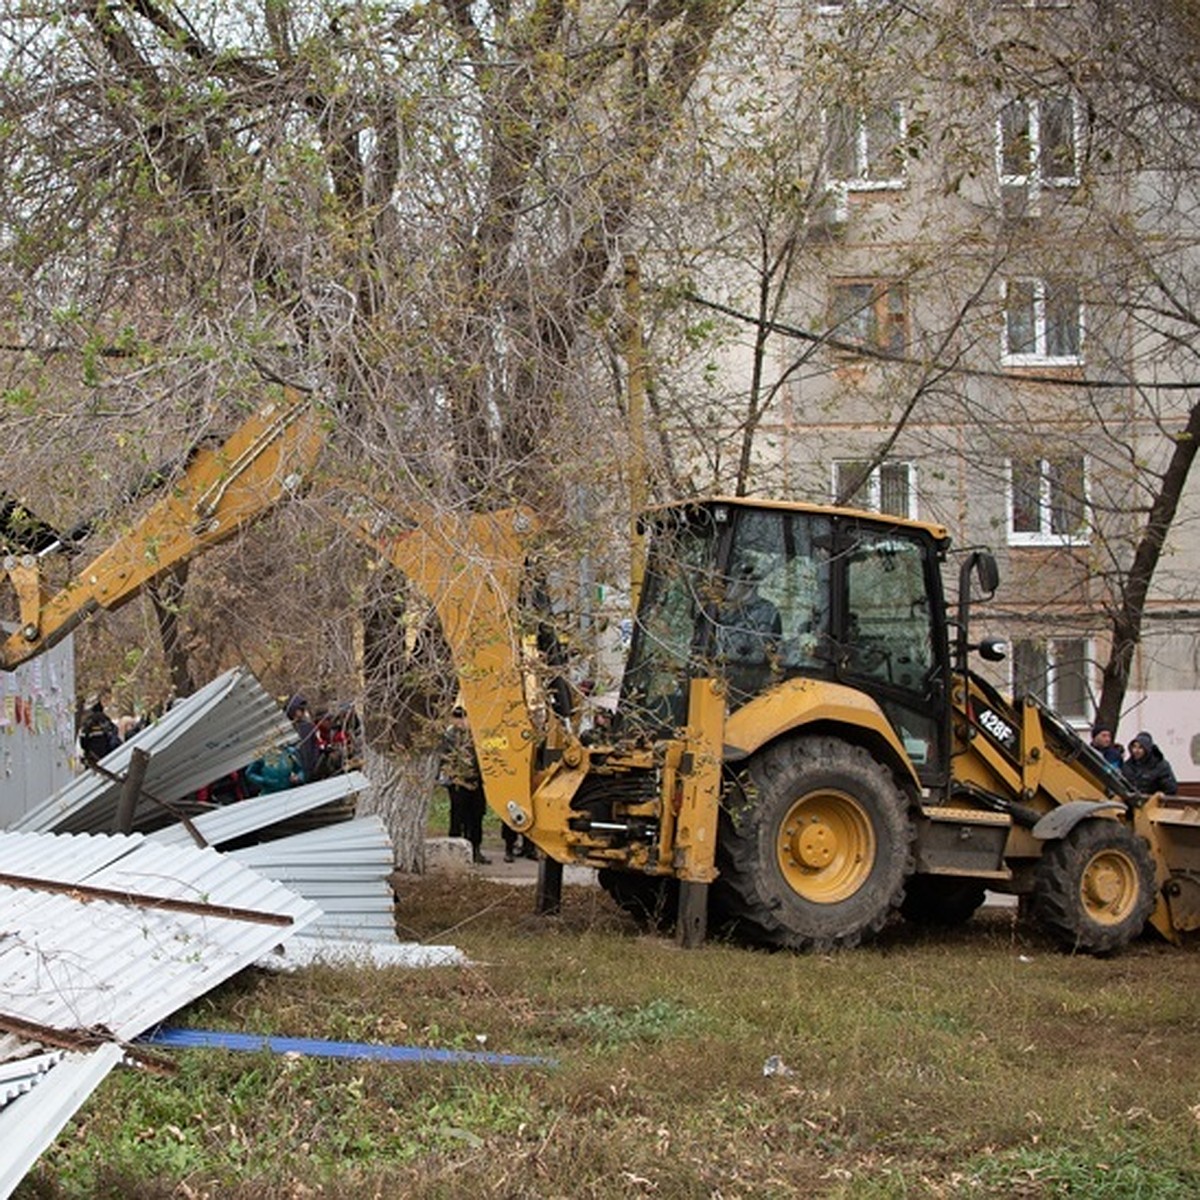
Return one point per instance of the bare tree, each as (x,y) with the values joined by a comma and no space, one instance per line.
(415,212)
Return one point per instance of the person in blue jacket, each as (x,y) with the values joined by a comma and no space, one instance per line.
(276,771)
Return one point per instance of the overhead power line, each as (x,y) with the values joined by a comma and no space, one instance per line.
(861,351)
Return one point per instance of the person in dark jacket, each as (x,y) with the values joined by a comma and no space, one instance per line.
(98,734)
(308,738)
(1146,769)
(1103,744)
(464,784)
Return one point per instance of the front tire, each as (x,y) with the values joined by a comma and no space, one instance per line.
(815,845)
(1095,888)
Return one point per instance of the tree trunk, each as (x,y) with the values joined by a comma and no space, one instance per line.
(1128,618)
(400,791)
(167,597)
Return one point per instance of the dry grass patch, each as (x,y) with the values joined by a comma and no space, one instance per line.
(981,1063)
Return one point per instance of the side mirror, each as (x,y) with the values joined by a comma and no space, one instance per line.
(987,573)
(979,565)
(993,649)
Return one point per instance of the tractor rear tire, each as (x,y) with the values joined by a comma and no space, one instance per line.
(941,900)
(815,844)
(1095,888)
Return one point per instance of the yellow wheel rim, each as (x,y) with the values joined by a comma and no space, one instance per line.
(1110,886)
(826,846)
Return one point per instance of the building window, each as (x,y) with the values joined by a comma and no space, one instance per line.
(1047,501)
(871,313)
(865,147)
(1057,672)
(1037,146)
(889,487)
(1043,322)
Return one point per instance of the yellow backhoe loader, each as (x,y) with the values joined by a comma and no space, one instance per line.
(801,749)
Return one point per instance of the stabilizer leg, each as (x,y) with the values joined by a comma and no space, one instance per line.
(691,926)
(549,887)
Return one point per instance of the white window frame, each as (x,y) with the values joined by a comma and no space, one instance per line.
(1033,180)
(1051,648)
(1040,357)
(862,154)
(874,485)
(1044,535)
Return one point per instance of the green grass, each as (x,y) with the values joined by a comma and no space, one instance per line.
(437,821)
(982,1063)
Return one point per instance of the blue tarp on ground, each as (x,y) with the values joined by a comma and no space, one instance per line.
(316,1047)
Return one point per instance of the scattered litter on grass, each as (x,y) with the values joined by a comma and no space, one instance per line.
(776,1066)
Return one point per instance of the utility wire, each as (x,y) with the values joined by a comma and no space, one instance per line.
(861,351)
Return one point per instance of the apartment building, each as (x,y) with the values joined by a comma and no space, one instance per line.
(986,328)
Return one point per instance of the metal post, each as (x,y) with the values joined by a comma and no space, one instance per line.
(131,789)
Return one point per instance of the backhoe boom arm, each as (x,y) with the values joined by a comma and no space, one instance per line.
(221,491)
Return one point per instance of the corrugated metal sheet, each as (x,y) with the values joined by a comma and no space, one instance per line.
(29,1124)
(234,821)
(225,725)
(344,868)
(69,959)
(72,960)
(17,1078)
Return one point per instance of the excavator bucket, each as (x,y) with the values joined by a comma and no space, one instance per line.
(1171,824)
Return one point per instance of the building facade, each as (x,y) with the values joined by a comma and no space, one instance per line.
(987,325)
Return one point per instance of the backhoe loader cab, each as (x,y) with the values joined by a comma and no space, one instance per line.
(758,594)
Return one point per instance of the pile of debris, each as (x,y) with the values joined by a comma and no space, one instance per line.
(105,934)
